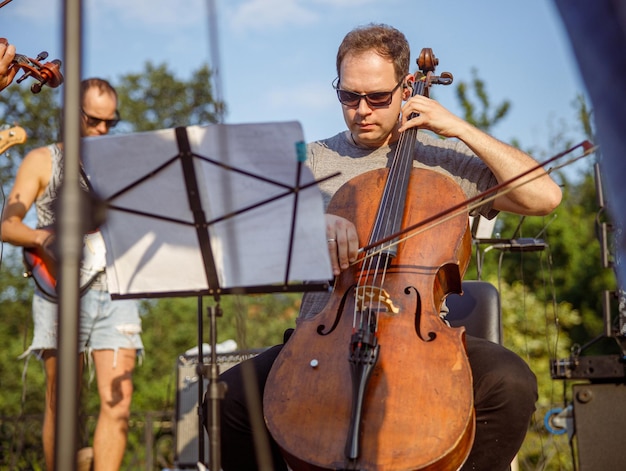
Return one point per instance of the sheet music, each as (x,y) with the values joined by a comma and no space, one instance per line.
(159,252)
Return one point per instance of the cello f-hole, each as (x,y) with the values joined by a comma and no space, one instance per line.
(342,305)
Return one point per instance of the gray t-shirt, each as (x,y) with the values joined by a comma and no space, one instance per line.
(340,154)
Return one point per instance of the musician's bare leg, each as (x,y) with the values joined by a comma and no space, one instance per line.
(49,358)
(114,376)
(50,365)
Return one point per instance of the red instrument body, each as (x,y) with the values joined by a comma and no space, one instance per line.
(41,266)
(417,409)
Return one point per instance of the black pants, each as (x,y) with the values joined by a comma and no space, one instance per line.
(505,392)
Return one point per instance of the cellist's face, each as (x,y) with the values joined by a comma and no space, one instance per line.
(368,72)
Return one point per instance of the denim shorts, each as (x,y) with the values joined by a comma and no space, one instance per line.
(105,324)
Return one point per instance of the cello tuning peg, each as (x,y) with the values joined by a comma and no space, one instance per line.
(42,55)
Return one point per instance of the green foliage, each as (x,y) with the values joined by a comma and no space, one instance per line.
(155,99)
(15,335)
(39,115)
(484,119)
(534,329)
(572,264)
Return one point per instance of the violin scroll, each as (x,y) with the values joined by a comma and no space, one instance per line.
(48,73)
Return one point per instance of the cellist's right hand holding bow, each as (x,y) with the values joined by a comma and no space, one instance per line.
(343,242)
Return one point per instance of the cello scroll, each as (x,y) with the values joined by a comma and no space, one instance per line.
(427,63)
(48,73)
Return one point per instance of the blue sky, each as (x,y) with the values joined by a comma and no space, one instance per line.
(277,57)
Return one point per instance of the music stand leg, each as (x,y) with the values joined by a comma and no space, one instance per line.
(200,374)
(215,390)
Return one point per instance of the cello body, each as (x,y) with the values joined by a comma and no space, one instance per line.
(417,410)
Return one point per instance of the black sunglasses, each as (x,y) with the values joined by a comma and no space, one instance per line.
(374,100)
(92,121)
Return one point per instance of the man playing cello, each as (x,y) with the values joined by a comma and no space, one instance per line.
(373,87)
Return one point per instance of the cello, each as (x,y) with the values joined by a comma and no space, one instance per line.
(376,380)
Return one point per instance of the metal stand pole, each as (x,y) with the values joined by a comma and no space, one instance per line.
(70,248)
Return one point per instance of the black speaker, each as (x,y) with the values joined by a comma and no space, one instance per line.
(186,417)
(600,422)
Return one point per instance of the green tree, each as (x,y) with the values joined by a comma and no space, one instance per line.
(155,99)
(480,114)
(39,115)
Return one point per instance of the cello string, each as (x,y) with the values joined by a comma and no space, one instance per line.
(402,156)
(403,164)
(386,222)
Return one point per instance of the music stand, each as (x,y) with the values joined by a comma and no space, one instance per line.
(209,210)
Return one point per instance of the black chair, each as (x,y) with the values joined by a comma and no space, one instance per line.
(477,309)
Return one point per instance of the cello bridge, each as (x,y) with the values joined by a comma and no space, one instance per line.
(374,298)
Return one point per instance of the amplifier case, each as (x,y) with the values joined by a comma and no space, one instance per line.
(186,425)
(600,421)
